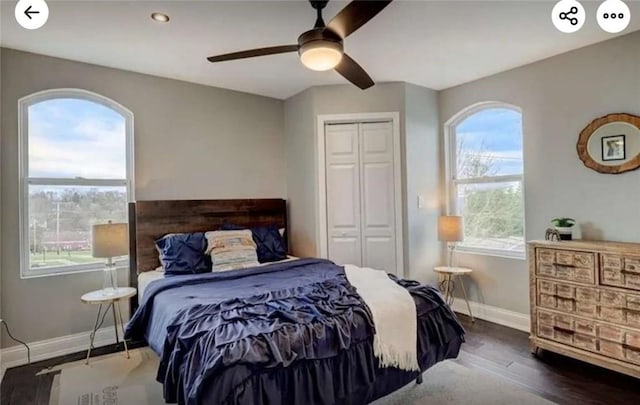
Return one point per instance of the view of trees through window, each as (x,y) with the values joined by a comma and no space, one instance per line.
(60,220)
(488,179)
(76,177)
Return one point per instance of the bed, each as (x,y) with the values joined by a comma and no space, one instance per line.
(289,332)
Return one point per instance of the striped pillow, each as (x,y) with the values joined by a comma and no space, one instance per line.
(231,250)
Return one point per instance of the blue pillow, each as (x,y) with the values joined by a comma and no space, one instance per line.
(183,253)
(270,244)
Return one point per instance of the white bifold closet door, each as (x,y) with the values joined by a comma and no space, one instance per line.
(360,194)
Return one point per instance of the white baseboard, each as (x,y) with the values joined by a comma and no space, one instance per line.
(46,349)
(501,316)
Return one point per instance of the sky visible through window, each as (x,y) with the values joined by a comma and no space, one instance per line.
(495,135)
(71,138)
(489,144)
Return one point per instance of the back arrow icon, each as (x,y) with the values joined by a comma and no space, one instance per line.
(28,12)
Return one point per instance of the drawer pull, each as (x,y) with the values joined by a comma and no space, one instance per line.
(564,298)
(559,329)
(635,311)
(624,271)
(633,348)
(564,265)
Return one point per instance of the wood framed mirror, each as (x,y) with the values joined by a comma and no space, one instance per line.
(611,144)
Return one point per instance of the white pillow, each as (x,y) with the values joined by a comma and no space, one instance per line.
(231,250)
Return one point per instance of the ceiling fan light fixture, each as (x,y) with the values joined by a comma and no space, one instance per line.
(321,55)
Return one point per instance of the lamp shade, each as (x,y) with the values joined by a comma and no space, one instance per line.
(109,240)
(450,228)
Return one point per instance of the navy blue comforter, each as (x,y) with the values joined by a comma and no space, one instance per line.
(287,333)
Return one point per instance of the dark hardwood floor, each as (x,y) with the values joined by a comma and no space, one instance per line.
(504,353)
(493,349)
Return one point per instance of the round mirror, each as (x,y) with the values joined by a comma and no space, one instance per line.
(611,144)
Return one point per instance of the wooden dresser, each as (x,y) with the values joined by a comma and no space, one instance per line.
(585,301)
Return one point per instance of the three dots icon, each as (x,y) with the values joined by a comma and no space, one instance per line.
(613,16)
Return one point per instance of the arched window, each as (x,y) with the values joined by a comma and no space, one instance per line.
(484,177)
(76,166)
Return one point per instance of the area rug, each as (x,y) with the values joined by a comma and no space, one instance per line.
(451,383)
(111,379)
(114,379)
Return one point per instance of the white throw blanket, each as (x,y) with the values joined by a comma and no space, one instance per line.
(394,316)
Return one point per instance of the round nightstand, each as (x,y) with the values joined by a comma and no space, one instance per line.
(112,301)
(448,284)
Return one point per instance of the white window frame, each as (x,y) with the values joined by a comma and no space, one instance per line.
(25,181)
(452,182)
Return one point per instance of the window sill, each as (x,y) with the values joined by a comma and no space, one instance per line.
(31,274)
(504,254)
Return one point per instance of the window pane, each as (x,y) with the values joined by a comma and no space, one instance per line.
(71,138)
(493,215)
(60,219)
(489,143)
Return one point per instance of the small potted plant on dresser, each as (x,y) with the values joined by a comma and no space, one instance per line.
(564,226)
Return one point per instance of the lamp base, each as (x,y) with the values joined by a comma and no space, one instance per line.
(110,280)
(451,262)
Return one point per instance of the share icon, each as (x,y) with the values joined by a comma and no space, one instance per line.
(566,15)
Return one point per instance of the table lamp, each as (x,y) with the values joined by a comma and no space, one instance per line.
(108,241)
(450,231)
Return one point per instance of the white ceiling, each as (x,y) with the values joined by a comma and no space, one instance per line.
(433,44)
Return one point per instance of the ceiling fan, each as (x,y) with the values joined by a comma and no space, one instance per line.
(321,48)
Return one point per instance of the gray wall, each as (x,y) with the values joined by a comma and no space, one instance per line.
(560,96)
(300,153)
(423,176)
(419,132)
(191,141)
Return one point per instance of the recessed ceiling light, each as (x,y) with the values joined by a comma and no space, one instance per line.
(160,17)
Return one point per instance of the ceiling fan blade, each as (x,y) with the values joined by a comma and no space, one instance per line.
(355,15)
(350,70)
(253,53)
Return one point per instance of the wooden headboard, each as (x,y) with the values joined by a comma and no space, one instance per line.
(150,220)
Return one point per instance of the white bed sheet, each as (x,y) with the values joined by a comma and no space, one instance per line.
(145,278)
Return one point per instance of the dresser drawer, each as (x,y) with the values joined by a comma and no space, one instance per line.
(568,330)
(618,307)
(620,271)
(566,265)
(590,302)
(567,298)
(611,341)
(620,343)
